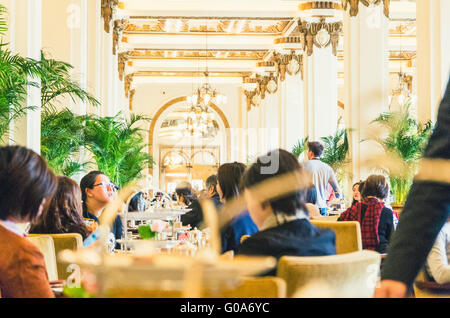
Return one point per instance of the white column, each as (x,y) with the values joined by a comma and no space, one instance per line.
(433,55)
(271,122)
(253,116)
(321,91)
(28,42)
(366,75)
(292,111)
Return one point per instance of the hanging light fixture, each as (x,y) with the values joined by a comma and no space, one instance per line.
(399,97)
(200,119)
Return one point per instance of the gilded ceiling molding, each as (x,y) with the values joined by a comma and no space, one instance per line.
(108,7)
(132,92)
(119,26)
(127,84)
(320,34)
(354,5)
(122,60)
(285,64)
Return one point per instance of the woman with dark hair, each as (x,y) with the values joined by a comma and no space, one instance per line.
(377,223)
(96,192)
(229,178)
(27,186)
(284,228)
(184,193)
(65,213)
(357,188)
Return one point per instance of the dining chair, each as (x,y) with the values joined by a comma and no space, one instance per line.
(65,241)
(348,234)
(46,246)
(350,275)
(424,288)
(248,287)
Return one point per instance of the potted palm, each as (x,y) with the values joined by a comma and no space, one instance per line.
(62,138)
(117,145)
(300,147)
(405,141)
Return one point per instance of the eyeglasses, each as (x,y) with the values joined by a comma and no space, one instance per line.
(105,185)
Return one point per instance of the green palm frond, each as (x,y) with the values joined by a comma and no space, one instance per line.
(62,137)
(118,146)
(300,147)
(56,81)
(406,139)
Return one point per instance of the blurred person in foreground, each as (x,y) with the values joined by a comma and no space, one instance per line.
(27,186)
(425,212)
(283,223)
(229,178)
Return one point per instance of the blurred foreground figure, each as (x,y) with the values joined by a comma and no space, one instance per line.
(426,211)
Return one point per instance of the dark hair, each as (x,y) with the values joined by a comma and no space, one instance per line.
(375,185)
(136,202)
(359,184)
(229,177)
(184,190)
(211,181)
(291,202)
(316,148)
(311,195)
(25,180)
(88,181)
(64,214)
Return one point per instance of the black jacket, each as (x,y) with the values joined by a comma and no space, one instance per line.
(194,218)
(294,238)
(117,227)
(425,212)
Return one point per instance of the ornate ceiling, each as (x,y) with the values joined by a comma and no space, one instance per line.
(174,37)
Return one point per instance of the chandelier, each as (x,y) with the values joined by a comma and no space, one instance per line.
(200,120)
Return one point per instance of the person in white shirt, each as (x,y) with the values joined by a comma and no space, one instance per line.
(438,260)
(322,175)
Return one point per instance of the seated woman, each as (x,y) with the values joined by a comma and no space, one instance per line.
(356,192)
(438,261)
(229,178)
(284,228)
(184,194)
(137,203)
(27,186)
(65,213)
(96,192)
(376,220)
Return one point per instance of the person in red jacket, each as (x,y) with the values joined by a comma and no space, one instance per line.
(27,186)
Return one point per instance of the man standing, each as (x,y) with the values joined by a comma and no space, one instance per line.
(322,175)
(195,217)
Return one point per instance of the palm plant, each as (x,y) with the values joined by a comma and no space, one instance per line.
(56,81)
(117,147)
(300,147)
(62,137)
(406,140)
(14,81)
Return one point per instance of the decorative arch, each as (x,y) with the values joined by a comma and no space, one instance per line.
(205,151)
(182,99)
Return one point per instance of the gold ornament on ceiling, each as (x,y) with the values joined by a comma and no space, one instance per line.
(132,92)
(127,84)
(354,6)
(321,34)
(108,8)
(122,60)
(119,26)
